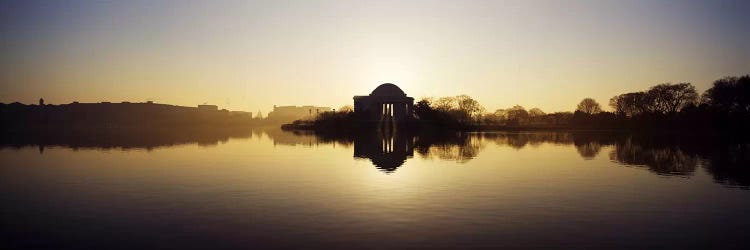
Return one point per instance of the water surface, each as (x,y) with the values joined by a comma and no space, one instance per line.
(454,190)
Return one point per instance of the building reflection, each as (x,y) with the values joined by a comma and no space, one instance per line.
(727,160)
(386,150)
(120,138)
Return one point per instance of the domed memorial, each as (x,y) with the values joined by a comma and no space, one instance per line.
(386,103)
(388,89)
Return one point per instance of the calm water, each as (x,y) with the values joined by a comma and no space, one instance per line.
(278,189)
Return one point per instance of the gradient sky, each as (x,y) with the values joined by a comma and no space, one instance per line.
(247,55)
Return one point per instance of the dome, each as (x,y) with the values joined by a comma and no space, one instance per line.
(388,89)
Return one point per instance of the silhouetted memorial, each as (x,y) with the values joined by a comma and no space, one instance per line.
(386,103)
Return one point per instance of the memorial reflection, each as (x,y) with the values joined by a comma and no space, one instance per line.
(726,159)
(386,150)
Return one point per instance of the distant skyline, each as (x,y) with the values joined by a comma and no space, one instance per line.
(251,55)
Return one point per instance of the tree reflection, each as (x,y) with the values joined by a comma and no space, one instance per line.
(726,159)
(519,140)
(122,138)
(460,147)
(660,160)
(730,166)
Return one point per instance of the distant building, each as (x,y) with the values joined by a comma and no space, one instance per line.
(208,107)
(241,113)
(386,103)
(291,113)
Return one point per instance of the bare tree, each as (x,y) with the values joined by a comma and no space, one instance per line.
(445,103)
(589,106)
(670,98)
(536,112)
(469,107)
(517,114)
(630,104)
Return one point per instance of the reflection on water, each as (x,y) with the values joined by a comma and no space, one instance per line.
(387,151)
(111,138)
(667,155)
(260,188)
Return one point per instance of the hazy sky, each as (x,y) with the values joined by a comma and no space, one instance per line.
(245,55)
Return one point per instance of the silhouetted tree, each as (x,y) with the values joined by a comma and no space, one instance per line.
(631,104)
(517,114)
(536,116)
(425,113)
(346,108)
(729,94)
(469,108)
(445,104)
(422,108)
(589,106)
(501,115)
(535,112)
(670,98)
(559,118)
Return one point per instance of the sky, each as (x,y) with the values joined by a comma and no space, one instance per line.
(251,55)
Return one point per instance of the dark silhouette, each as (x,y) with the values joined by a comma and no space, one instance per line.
(286,114)
(662,107)
(661,99)
(387,151)
(22,117)
(729,94)
(726,158)
(120,138)
(386,104)
(589,106)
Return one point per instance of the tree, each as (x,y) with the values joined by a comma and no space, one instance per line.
(445,103)
(501,114)
(423,110)
(560,117)
(346,109)
(671,98)
(589,106)
(536,112)
(729,94)
(469,107)
(517,114)
(632,104)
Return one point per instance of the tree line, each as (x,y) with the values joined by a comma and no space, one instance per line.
(726,105)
